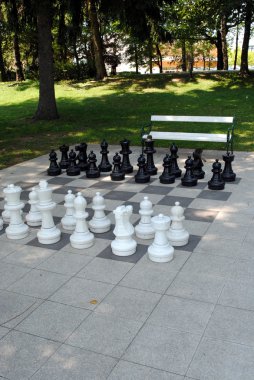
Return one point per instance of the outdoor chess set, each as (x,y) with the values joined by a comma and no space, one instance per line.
(113,213)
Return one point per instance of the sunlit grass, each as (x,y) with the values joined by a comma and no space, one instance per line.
(117,107)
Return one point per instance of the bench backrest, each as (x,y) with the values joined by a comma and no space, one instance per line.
(191,119)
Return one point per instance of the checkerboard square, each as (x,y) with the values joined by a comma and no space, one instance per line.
(108,254)
(215,195)
(64,240)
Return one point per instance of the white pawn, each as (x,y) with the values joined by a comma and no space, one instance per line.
(33,218)
(69,220)
(49,233)
(6,213)
(81,237)
(99,223)
(160,251)
(17,229)
(124,244)
(145,230)
(177,235)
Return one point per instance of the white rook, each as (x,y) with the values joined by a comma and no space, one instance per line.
(17,229)
(48,233)
(124,244)
(160,251)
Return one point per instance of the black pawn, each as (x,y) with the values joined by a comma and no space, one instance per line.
(117,172)
(216,182)
(228,175)
(64,162)
(142,176)
(105,165)
(197,165)
(82,156)
(149,151)
(54,168)
(92,171)
(175,168)
(126,165)
(189,179)
(72,169)
(167,176)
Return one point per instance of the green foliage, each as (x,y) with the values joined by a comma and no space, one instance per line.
(118,107)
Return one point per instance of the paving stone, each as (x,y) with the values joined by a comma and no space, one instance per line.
(21,354)
(71,363)
(28,256)
(10,273)
(217,359)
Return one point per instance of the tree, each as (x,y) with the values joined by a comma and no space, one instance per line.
(47,109)
(249,13)
(96,40)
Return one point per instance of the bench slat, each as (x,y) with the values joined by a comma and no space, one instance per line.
(213,137)
(200,119)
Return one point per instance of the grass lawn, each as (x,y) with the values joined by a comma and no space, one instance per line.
(116,108)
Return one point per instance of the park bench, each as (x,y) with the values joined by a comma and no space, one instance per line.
(226,137)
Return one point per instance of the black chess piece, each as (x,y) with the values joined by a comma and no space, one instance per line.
(72,169)
(149,151)
(117,172)
(142,176)
(175,168)
(189,179)
(92,171)
(105,165)
(64,162)
(216,182)
(167,176)
(126,165)
(82,156)
(54,168)
(198,164)
(228,175)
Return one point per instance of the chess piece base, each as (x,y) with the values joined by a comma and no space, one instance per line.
(217,186)
(82,240)
(93,175)
(33,221)
(144,231)
(99,226)
(17,232)
(144,179)
(179,238)
(193,182)
(117,176)
(124,247)
(49,235)
(54,171)
(160,254)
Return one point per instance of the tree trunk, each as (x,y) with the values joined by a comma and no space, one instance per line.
(47,109)
(136,58)
(219,51)
(96,40)
(224,42)
(244,69)
(62,38)
(184,61)
(150,51)
(2,66)
(15,24)
(236,46)
(159,58)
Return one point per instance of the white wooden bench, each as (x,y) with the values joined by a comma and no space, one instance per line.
(226,137)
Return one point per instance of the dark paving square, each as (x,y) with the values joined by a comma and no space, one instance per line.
(104,185)
(107,235)
(140,252)
(217,195)
(119,195)
(192,243)
(169,200)
(237,180)
(60,180)
(64,240)
(200,185)
(136,207)
(132,180)
(200,215)
(161,190)
(64,189)
(24,196)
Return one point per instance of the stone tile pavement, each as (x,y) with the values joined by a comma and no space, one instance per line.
(71,316)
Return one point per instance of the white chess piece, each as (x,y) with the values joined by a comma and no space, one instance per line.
(6,213)
(1,224)
(99,223)
(124,244)
(160,251)
(177,235)
(17,229)
(33,218)
(69,220)
(145,230)
(49,233)
(81,237)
